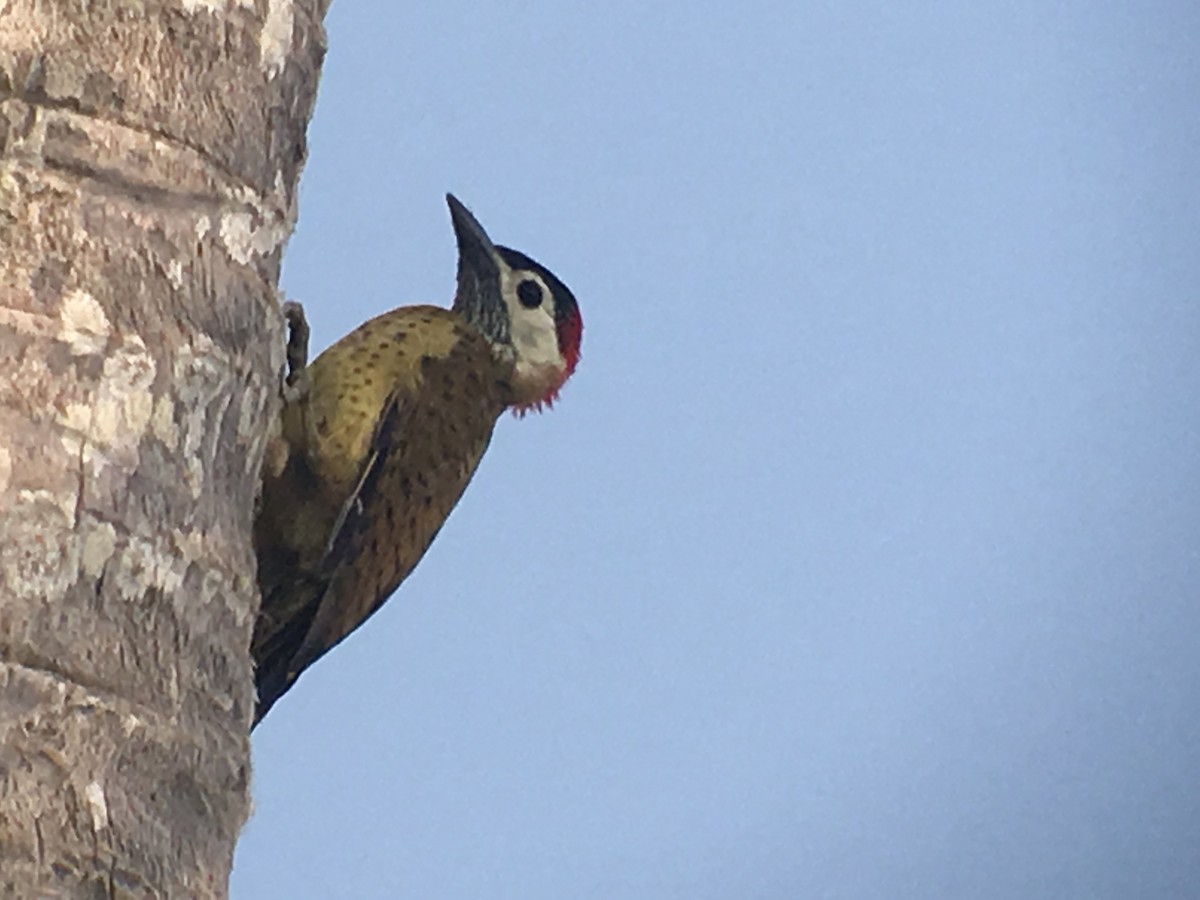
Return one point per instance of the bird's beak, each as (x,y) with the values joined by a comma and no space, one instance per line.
(476,253)
(478,297)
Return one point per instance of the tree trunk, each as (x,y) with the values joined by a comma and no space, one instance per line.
(149,154)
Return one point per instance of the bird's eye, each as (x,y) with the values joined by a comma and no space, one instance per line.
(529,292)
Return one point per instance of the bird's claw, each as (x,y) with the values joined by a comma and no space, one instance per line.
(295,382)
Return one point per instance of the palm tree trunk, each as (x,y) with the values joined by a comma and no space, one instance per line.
(149,155)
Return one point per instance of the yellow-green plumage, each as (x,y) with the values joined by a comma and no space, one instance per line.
(380,445)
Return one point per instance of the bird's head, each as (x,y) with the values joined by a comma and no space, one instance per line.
(521,307)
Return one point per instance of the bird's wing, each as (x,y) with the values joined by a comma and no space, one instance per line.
(283,653)
(353,536)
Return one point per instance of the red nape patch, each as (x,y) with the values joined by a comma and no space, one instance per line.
(570,339)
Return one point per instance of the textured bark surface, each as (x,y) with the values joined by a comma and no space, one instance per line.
(149,154)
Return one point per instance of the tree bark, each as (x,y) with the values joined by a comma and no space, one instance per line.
(149,154)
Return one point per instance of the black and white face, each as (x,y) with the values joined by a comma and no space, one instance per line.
(520,305)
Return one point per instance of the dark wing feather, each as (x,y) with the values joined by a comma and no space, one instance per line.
(286,650)
(334,618)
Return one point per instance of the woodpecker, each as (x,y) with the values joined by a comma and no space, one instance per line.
(379,437)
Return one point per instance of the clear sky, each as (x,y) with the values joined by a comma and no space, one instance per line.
(861,557)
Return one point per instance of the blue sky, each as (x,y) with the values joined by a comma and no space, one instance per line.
(859,559)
